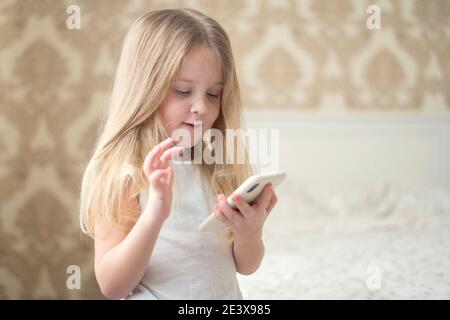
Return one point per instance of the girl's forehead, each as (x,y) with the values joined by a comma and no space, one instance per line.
(185,79)
(199,65)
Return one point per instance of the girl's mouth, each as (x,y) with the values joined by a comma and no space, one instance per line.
(187,125)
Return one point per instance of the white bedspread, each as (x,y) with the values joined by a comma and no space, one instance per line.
(384,243)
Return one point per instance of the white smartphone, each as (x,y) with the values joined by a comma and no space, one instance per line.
(249,190)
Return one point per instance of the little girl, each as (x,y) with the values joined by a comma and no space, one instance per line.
(142,207)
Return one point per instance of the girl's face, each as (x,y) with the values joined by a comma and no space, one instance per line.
(194,96)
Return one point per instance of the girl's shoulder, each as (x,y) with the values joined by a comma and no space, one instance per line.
(129,169)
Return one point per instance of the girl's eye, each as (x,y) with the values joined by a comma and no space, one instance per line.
(213,95)
(185,93)
(182,93)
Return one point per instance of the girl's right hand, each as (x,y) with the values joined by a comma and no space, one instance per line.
(160,175)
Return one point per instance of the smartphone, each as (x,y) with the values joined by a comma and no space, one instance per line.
(249,190)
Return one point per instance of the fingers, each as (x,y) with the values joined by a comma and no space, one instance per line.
(169,154)
(264,199)
(155,153)
(272,203)
(233,215)
(170,175)
(160,177)
(242,205)
(153,157)
(219,215)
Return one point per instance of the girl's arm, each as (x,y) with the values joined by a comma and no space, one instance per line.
(246,223)
(121,256)
(248,255)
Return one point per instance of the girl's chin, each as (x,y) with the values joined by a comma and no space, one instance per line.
(189,144)
(185,134)
(186,144)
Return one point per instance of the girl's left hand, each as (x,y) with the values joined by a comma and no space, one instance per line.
(247,222)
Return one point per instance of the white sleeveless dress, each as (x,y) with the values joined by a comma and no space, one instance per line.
(187,263)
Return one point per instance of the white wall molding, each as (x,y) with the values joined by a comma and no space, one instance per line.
(360,148)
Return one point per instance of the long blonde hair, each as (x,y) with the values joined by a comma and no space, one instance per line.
(152,54)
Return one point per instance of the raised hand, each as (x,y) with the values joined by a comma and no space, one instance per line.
(160,175)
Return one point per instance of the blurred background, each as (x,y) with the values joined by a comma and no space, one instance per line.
(364,120)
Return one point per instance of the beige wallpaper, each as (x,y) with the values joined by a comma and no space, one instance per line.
(55,81)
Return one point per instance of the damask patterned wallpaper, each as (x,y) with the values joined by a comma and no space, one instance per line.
(291,54)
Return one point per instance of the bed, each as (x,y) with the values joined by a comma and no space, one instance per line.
(364,213)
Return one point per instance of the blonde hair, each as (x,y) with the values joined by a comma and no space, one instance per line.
(152,54)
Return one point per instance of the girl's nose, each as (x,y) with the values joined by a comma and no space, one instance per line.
(199,106)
